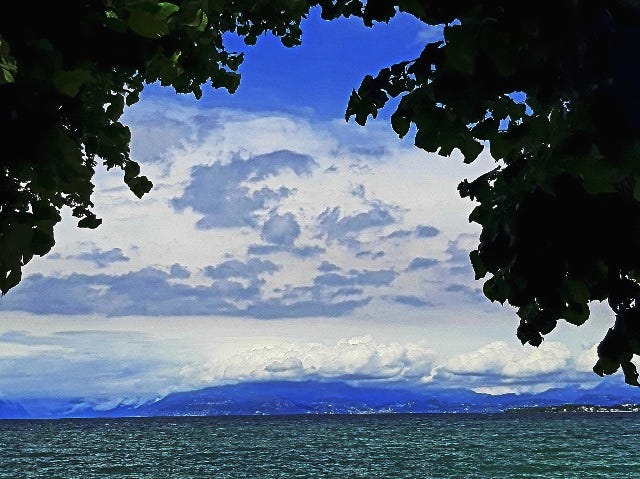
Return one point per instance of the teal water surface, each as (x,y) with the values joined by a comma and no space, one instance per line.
(522,445)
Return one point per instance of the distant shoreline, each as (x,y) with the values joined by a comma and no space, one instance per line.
(565,408)
(571,408)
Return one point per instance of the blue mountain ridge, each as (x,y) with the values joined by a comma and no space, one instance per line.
(12,410)
(315,397)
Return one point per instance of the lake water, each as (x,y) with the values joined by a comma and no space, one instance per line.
(519,445)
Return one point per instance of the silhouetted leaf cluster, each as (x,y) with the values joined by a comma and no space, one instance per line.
(552,92)
(67,71)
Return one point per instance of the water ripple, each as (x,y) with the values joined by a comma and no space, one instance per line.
(387,446)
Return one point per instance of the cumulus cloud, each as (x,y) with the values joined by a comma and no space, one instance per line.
(351,359)
(306,251)
(360,168)
(409,300)
(121,364)
(280,229)
(234,268)
(280,233)
(144,292)
(378,151)
(327,266)
(258,191)
(471,293)
(179,271)
(421,263)
(160,132)
(397,234)
(345,229)
(132,366)
(101,258)
(370,254)
(459,249)
(420,231)
(236,290)
(426,231)
(381,277)
(498,360)
(221,192)
(279,308)
(587,359)
(358,191)
(349,291)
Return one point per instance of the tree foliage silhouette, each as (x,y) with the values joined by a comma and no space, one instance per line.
(67,70)
(553,93)
(549,89)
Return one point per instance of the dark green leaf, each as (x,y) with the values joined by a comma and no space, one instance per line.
(13,278)
(90,222)
(576,313)
(8,66)
(42,241)
(606,365)
(113,22)
(152,22)
(471,149)
(70,82)
(578,290)
(630,373)
(400,124)
(478,266)
(496,289)
(139,185)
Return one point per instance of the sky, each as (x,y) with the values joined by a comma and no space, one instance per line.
(278,242)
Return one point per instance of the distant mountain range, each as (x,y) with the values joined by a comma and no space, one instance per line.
(311,397)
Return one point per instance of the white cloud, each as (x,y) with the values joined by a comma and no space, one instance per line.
(355,359)
(141,357)
(414,188)
(587,359)
(16,351)
(500,360)
(546,359)
(400,190)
